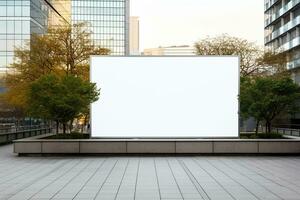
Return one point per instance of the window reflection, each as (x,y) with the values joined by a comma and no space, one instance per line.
(18,27)
(2,10)
(107,22)
(2,45)
(20,18)
(3,27)
(10,25)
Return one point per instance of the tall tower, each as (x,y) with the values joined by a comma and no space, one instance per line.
(282,29)
(108,20)
(282,34)
(20,19)
(134,35)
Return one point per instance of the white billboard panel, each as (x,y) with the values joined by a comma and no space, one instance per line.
(165,97)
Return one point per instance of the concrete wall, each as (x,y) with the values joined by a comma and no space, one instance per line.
(130,146)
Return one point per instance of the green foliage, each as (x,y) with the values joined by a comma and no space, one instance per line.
(274,63)
(64,50)
(264,98)
(60,98)
(270,136)
(69,136)
(245,97)
(253,137)
(262,136)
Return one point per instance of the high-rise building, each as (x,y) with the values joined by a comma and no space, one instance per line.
(282,34)
(134,36)
(184,50)
(282,29)
(108,20)
(20,18)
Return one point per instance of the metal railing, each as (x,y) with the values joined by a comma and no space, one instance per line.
(281,12)
(13,128)
(7,135)
(287,131)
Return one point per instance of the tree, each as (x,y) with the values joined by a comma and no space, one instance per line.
(274,63)
(74,48)
(227,45)
(60,98)
(264,98)
(247,99)
(64,50)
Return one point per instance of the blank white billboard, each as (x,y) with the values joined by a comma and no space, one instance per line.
(165,97)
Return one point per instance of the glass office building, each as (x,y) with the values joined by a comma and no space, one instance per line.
(20,18)
(108,21)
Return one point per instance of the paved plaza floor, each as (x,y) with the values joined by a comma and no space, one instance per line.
(149,178)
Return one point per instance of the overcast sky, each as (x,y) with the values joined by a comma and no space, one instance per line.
(179,22)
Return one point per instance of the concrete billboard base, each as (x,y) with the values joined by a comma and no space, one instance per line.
(37,145)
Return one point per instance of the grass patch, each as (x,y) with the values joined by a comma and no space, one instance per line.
(262,136)
(69,136)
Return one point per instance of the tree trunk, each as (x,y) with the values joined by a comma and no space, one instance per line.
(256,127)
(71,125)
(268,127)
(57,125)
(64,128)
(84,123)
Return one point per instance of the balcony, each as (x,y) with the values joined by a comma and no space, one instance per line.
(281,12)
(290,45)
(288,26)
(269,4)
(293,64)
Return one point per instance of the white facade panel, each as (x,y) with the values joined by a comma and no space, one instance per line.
(165,97)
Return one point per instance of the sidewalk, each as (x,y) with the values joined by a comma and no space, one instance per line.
(143,178)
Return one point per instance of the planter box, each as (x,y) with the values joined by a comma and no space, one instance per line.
(38,145)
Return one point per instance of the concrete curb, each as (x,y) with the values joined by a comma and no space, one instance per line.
(157,146)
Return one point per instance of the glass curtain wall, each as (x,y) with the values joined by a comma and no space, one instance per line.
(14,28)
(107,20)
(21,18)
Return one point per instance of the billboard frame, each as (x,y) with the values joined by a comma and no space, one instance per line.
(170,138)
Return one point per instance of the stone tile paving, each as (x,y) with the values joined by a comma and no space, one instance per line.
(149,177)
